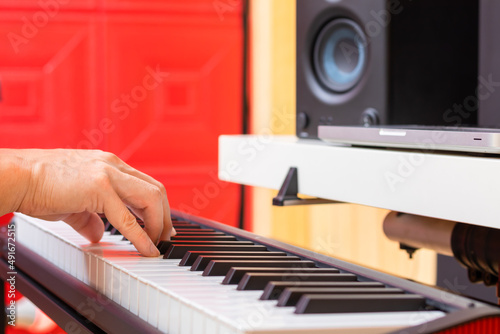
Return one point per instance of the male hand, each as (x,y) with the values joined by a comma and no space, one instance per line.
(76,185)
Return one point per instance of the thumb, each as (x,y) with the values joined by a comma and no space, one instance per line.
(88,224)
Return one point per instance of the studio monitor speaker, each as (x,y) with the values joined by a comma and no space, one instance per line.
(369,62)
(488,90)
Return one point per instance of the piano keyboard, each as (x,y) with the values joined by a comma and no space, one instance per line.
(212,278)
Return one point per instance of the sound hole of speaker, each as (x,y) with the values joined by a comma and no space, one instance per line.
(340,55)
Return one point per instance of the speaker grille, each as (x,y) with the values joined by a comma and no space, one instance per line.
(340,55)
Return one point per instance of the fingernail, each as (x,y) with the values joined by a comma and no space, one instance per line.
(154,250)
(173,232)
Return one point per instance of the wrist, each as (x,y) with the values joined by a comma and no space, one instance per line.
(15,176)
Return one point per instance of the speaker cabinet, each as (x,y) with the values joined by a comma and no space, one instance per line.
(370,62)
(488,90)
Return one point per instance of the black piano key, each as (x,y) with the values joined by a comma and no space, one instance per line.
(177,251)
(202,261)
(273,289)
(103,217)
(235,274)
(221,268)
(291,296)
(181,230)
(359,303)
(114,231)
(208,242)
(163,246)
(203,238)
(195,232)
(107,226)
(190,257)
(186,226)
(258,281)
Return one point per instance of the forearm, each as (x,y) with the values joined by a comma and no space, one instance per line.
(14,179)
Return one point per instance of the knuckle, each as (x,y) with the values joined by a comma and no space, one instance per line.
(128,223)
(156,193)
(96,152)
(109,157)
(162,188)
(101,180)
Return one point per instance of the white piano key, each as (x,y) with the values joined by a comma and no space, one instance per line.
(198,325)
(65,256)
(108,280)
(100,275)
(174,316)
(86,268)
(79,262)
(116,285)
(73,260)
(93,271)
(125,289)
(142,288)
(225,329)
(36,242)
(210,326)
(153,303)
(163,312)
(46,248)
(134,295)
(186,320)
(51,251)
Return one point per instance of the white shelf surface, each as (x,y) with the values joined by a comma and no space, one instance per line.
(448,186)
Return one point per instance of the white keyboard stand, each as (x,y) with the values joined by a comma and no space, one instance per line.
(456,187)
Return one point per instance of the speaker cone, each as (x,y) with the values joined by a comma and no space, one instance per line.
(340,55)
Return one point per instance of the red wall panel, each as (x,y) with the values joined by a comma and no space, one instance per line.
(49,6)
(155,82)
(47,79)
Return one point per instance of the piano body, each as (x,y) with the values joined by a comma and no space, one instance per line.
(240,283)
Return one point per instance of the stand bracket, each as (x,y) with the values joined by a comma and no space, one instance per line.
(288,193)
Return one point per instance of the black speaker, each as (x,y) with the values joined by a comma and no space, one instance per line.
(488,90)
(370,62)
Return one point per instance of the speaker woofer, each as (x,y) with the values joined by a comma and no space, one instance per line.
(340,55)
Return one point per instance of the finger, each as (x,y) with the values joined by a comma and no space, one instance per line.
(121,218)
(88,224)
(149,218)
(167,230)
(167,220)
(144,198)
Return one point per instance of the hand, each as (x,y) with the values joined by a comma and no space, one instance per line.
(76,185)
